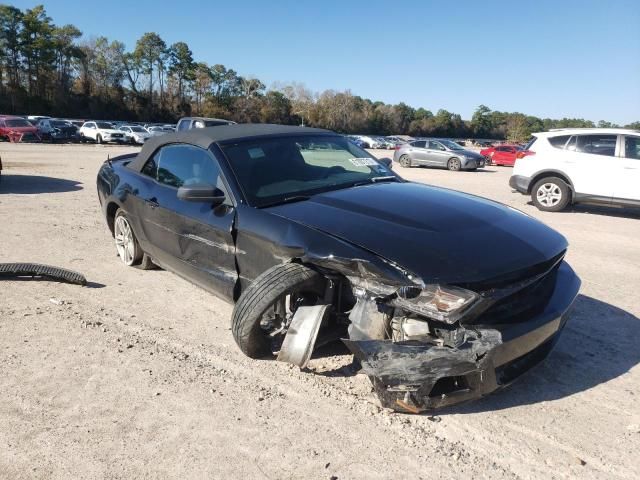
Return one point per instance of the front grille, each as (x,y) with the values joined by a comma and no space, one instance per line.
(514,277)
(522,304)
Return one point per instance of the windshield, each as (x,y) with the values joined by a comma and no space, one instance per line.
(59,123)
(274,170)
(451,145)
(104,125)
(138,129)
(17,122)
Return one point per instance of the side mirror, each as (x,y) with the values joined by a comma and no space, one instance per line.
(386,161)
(202,192)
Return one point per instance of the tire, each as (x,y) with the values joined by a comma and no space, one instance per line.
(270,287)
(98,139)
(127,245)
(405,161)
(454,164)
(551,194)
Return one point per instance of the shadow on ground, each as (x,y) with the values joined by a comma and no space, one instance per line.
(30,184)
(598,344)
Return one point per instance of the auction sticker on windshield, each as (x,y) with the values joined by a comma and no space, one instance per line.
(363,162)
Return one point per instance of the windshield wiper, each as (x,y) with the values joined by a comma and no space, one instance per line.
(376,180)
(291,199)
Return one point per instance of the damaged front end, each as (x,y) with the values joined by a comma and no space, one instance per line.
(438,346)
(429,346)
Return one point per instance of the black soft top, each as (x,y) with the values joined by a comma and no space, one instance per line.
(204,137)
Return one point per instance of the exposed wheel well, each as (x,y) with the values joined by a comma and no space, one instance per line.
(112,208)
(542,175)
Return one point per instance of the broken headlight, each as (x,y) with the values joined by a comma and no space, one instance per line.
(442,303)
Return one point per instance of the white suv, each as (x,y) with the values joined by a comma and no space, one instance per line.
(101,132)
(580,165)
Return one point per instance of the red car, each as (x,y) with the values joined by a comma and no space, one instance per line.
(501,155)
(17,129)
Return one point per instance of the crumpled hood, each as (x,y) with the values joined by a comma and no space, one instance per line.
(435,233)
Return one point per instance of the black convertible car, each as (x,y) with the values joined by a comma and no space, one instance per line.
(441,296)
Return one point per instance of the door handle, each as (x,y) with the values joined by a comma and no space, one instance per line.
(152,202)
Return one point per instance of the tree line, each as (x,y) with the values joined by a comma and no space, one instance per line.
(50,69)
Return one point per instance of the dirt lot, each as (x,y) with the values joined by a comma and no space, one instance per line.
(137,375)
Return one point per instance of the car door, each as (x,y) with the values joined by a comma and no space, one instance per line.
(499,155)
(590,162)
(627,185)
(438,154)
(510,156)
(418,152)
(89,130)
(192,238)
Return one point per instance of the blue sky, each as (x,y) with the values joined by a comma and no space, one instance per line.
(544,58)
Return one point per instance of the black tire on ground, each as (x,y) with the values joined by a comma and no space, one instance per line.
(551,194)
(454,164)
(261,295)
(405,161)
(137,252)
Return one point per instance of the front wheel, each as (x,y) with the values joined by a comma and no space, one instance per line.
(551,194)
(454,164)
(263,312)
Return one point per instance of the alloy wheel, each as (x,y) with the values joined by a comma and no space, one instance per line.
(125,243)
(549,194)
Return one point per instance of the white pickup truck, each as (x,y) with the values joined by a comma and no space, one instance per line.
(101,132)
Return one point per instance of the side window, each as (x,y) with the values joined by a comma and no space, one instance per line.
(419,144)
(150,168)
(435,146)
(180,165)
(597,144)
(632,147)
(183,125)
(559,141)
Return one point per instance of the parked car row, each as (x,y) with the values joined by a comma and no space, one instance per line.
(39,128)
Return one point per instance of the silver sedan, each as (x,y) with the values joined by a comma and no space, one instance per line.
(438,153)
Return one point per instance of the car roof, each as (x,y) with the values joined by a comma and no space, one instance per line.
(206,118)
(576,131)
(205,137)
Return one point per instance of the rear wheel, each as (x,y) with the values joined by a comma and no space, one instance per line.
(263,312)
(405,161)
(551,194)
(454,164)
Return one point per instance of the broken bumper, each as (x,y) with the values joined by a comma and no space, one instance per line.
(413,376)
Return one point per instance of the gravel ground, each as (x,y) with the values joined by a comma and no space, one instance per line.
(121,380)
